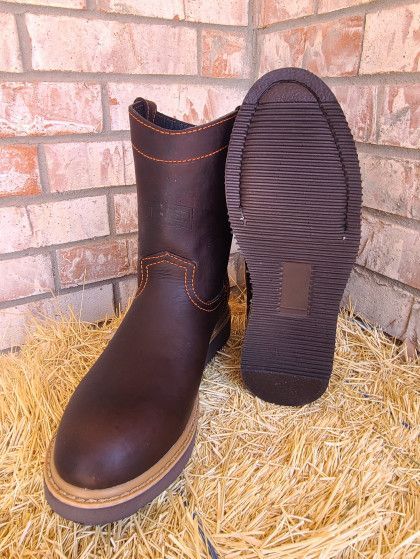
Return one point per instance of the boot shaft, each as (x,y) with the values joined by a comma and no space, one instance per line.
(180,185)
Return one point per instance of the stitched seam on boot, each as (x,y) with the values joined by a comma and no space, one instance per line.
(147,156)
(185,285)
(169,255)
(194,268)
(166,259)
(181,132)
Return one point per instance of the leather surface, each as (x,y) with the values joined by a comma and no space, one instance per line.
(135,401)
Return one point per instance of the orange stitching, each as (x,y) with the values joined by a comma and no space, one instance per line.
(164,258)
(180,132)
(185,283)
(179,160)
(194,265)
(140,291)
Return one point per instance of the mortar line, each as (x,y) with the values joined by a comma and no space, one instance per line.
(80,243)
(50,295)
(390,152)
(64,196)
(111,212)
(253,40)
(117,296)
(106,112)
(101,78)
(406,222)
(384,78)
(111,136)
(391,282)
(93,78)
(317,18)
(377,104)
(199,52)
(43,169)
(25,46)
(99,15)
(55,270)
(362,46)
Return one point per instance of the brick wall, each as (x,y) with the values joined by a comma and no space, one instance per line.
(70,68)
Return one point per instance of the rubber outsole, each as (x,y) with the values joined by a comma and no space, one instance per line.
(293,193)
(106,514)
(96,507)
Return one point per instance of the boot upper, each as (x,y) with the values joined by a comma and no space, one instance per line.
(135,402)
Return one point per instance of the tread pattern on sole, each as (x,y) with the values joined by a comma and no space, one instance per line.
(294,196)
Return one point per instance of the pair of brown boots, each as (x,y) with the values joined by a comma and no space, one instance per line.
(283,171)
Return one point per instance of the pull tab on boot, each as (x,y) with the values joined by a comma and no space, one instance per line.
(146,108)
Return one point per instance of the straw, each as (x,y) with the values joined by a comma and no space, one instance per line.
(337,478)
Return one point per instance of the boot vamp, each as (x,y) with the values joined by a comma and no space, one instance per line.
(135,402)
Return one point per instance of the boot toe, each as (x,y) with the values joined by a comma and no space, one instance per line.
(105,450)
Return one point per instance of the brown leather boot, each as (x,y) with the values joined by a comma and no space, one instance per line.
(129,428)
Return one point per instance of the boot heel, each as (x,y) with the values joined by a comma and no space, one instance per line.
(219,338)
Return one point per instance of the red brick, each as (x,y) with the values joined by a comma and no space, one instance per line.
(166,9)
(44,108)
(193,103)
(315,47)
(69,220)
(332,5)
(94,262)
(53,223)
(16,230)
(10,60)
(61,43)
(224,54)
(90,305)
(391,185)
(80,165)
(125,206)
(359,103)
(19,175)
(73,4)
(391,42)
(367,293)
(232,12)
(391,250)
(26,276)
(273,11)
(399,116)
(324,41)
(281,48)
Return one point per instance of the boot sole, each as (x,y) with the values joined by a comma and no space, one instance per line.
(293,193)
(100,506)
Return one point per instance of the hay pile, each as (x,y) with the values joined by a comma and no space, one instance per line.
(333,479)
